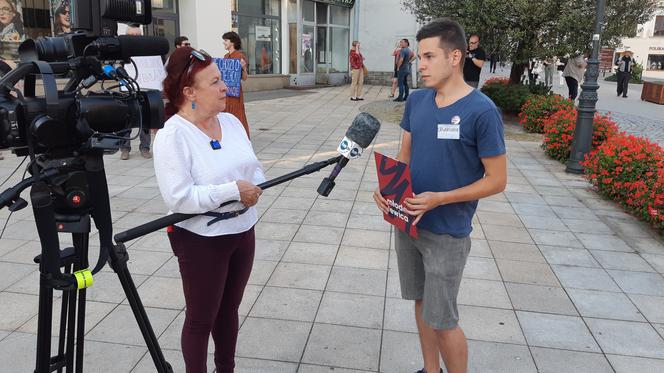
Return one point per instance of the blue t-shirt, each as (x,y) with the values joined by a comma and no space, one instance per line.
(439,165)
(405,65)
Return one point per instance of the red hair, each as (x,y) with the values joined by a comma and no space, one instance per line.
(179,63)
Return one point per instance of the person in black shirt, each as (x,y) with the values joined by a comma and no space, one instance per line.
(625,65)
(475,58)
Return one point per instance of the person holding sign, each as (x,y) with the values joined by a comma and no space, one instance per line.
(235,105)
(453,142)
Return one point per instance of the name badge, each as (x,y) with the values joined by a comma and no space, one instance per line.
(449,131)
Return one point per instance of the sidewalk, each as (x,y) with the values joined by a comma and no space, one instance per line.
(640,118)
(558,279)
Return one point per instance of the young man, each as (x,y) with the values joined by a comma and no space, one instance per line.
(475,57)
(182,41)
(453,142)
(406,56)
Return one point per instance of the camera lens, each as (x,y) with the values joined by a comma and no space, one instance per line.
(51,49)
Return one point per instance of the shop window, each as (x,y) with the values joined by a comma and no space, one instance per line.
(21,20)
(259,7)
(261,43)
(321,13)
(308,11)
(339,15)
(655,62)
(659,26)
(340,49)
(307,54)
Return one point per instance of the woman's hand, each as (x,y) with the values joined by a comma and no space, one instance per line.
(249,193)
(243,63)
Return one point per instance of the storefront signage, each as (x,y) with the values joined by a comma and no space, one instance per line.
(231,74)
(263,33)
(347,3)
(656,48)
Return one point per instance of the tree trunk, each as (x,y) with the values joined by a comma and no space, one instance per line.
(516,72)
(518,66)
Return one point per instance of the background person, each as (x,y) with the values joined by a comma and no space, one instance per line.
(475,57)
(573,74)
(625,65)
(356,72)
(204,158)
(406,56)
(235,105)
(144,134)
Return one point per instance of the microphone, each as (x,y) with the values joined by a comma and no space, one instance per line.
(124,47)
(359,136)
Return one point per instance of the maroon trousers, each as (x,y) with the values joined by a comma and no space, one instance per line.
(215,271)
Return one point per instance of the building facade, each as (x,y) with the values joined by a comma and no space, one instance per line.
(648,46)
(300,42)
(287,42)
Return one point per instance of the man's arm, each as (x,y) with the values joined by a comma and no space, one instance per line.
(479,63)
(493,182)
(400,61)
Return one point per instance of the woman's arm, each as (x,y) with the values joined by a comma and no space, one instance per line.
(172,163)
(244,67)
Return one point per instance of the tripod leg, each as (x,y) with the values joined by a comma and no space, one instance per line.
(71,329)
(118,258)
(81,241)
(101,208)
(63,319)
(44,323)
(49,269)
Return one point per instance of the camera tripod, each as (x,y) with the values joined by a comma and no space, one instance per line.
(65,194)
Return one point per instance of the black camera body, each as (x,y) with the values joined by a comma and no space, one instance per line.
(74,119)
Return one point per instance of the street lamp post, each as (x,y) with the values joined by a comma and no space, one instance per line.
(583,134)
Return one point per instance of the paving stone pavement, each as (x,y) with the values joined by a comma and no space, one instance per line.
(636,117)
(558,279)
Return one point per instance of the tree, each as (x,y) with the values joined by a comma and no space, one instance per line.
(522,30)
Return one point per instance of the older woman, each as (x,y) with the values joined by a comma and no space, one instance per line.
(235,106)
(203,159)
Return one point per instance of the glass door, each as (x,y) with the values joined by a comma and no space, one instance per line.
(166,27)
(165,21)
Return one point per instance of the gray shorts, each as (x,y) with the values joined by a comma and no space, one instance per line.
(430,269)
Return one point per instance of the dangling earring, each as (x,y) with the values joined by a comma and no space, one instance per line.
(193,105)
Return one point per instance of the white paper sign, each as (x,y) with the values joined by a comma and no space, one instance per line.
(151,72)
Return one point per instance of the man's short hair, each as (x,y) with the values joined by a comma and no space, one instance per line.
(449,32)
(475,35)
(180,39)
(407,42)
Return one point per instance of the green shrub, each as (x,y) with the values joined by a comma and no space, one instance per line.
(538,108)
(509,97)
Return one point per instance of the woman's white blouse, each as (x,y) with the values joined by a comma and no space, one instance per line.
(194,178)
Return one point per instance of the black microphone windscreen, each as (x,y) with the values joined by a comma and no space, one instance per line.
(363,130)
(134,45)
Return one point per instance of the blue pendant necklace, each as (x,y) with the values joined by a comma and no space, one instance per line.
(214,144)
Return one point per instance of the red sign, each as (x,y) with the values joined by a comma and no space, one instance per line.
(395,185)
